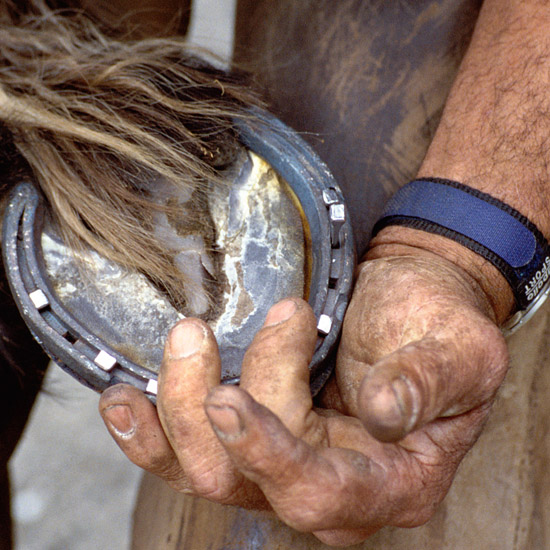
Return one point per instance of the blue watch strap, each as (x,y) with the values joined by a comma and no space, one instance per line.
(480,222)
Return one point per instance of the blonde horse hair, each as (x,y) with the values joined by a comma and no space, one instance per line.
(99,118)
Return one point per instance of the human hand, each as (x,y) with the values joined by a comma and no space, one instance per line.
(419,363)
(422,357)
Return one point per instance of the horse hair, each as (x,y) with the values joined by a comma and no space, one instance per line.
(95,117)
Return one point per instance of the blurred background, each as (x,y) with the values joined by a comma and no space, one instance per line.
(72,488)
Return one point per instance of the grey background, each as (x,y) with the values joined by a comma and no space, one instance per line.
(72,487)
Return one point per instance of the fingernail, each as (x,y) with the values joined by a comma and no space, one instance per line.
(121,419)
(406,401)
(280,312)
(391,408)
(226,421)
(186,339)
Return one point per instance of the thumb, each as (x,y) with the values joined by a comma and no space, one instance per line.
(431,378)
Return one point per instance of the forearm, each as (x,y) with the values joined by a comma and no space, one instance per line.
(493,136)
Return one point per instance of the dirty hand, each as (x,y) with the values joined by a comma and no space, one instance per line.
(419,364)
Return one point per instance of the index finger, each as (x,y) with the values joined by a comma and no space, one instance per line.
(344,493)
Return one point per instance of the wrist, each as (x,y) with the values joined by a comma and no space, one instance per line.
(493,292)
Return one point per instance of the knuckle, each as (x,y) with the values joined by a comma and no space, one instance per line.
(170,402)
(179,485)
(421,502)
(259,464)
(262,348)
(203,482)
(501,356)
(344,537)
(418,517)
(215,484)
(495,358)
(167,470)
(304,517)
(311,511)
